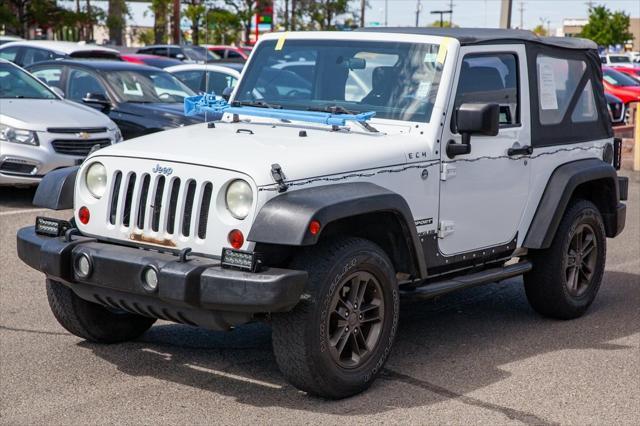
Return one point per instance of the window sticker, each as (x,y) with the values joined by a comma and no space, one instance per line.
(128,90)
(547,91)
(280,42)
(423,89)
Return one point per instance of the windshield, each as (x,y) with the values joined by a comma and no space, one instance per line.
(396,80)
(148,86)
(617,78)
(619,59)
(15,83)
(198,53)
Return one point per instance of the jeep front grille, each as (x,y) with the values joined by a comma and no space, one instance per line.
(159,207)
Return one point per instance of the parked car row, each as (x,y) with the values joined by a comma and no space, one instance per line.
(623,84)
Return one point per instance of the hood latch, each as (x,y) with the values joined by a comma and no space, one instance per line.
(279,177)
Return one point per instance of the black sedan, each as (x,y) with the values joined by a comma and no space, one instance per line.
(138,98)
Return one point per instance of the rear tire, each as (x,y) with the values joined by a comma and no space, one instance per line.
(338,337)
(91,321)
(566,277)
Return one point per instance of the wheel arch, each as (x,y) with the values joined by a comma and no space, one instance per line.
(589,179)
(359,209)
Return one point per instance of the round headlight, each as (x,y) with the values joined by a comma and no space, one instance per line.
(239,199)
(96,179)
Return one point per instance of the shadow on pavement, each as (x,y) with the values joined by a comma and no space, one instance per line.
(19,198)
(445,349)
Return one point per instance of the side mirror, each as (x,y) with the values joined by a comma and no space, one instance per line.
(226,93)
(96,99)
(57,91)
(474,119)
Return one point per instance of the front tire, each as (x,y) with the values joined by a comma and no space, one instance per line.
(338,337)
(566,277)
(91,321)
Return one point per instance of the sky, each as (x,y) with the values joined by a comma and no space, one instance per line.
(486,13)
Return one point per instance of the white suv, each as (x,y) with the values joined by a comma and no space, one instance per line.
(398,160)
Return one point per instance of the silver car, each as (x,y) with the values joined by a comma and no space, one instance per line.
(41,132)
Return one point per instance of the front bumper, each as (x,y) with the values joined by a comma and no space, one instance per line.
(198,291)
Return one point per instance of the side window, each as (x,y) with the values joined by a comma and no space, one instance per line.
(174,52)
(50,76)
(219,81)
(33,56)
(232,54)
(491,78)
(557,83)
(585,109)
(9,53)
(80,83)
(192,79)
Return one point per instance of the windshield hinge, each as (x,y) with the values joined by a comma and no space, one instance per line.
(279,177)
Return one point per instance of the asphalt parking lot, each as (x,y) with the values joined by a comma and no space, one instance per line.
(477,356)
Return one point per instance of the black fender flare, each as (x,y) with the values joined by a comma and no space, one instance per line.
(55,191)
(284,219)
(560,188)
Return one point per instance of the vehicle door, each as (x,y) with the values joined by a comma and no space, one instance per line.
(483,193)
(52,76)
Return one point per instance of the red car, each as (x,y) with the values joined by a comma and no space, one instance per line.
(621,85)
(633,72)
(228,53)
(151,60)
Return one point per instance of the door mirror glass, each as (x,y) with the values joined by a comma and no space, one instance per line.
(226,93)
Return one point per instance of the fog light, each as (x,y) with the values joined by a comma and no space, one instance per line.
(150,278)
(245,260)
(83,266)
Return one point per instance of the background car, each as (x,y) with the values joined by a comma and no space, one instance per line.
(617,109)
(206,78)
(619,60)
(151,60)
(621,85)
(4,39)
(228,53)
(40,132)
(139,98)
(187,54)
(632,72)
(27,52)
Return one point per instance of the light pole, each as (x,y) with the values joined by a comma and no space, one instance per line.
(441,13)
(386,13)
(418,9)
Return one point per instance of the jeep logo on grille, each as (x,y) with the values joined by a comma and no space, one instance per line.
(162,170)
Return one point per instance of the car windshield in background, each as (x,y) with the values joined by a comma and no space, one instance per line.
(197,53)
(16,84)
(148,86)
(616,78)
(396,80)
(620,59)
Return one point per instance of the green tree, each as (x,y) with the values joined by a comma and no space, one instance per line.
(223,25)
(116,21)
(539,30)
(244,9)
(160,9)
(321,14)
(445,24)
(195,12)
(607,28)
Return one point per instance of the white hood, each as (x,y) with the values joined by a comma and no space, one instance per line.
(38,114)
(252,147)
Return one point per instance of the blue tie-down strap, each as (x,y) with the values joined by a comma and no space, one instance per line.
(209,103)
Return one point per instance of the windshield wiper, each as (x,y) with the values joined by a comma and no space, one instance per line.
(258,104)
(337,109)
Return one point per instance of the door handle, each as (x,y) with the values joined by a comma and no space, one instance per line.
(521,150)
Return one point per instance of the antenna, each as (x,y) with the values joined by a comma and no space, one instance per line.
(521,10)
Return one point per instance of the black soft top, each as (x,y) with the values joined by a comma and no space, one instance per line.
(471,36)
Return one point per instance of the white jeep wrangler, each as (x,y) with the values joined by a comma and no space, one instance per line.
(348,168)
